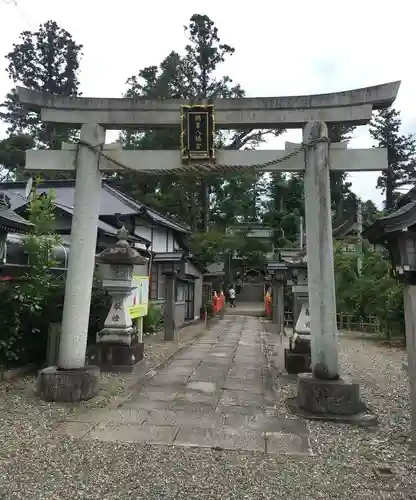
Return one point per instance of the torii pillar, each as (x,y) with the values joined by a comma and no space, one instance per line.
(71,380)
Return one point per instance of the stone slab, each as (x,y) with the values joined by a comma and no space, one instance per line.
(245,373)
(287,444)
(186,418)
(226,439)
(195,397)
(237,384)
(132,433)
(145,404)
(158,393)
(241,398)
(76,429)
(205,387)
(240,417)
(106,415)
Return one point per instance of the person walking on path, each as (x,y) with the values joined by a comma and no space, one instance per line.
(231,295)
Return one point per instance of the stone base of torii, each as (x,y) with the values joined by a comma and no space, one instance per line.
(321,393)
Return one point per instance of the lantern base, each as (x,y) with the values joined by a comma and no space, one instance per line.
(116,358)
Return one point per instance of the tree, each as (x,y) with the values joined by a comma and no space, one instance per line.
(12,156)
(45,60)
(189,76)
(401,154)
(28,304)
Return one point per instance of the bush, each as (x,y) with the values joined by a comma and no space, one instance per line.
(153,319)
(373,293)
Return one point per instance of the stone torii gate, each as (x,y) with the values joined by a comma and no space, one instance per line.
(91,156)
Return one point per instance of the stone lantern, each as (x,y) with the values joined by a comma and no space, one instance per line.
(118,346)
(397,233)
(298,355)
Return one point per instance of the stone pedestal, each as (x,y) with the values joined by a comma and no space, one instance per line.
(68,386)
(332,397)
(116,357)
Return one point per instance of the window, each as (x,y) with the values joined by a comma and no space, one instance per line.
(180,292)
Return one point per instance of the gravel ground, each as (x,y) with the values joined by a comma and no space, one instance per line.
(37,463)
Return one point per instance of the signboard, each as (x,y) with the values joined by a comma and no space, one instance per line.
(303,324)
(197,132)
(138,301)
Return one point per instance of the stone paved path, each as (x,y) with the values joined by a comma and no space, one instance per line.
(217,393)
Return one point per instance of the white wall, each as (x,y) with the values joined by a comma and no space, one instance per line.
(163,239)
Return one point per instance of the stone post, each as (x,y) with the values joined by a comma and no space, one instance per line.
(321,282)
(169,310)
(409,296)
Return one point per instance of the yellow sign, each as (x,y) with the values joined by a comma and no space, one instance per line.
(139,299)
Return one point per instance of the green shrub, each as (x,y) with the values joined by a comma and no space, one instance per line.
(153,319)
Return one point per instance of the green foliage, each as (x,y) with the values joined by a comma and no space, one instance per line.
(374,293)
(45,60)
(401,154)
(153,319)
(30,302)
(194,74)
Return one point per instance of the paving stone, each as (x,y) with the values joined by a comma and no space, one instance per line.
(166,381)
(186,418)
(240,417)
(238,384)
(159,393)
(205,387)
(128,415)
(76,429)
(241,398)
(132,433)
(287,444)
(183,363)
(227,439)
(276,424)
(247,373)
(145,404)
(196,397)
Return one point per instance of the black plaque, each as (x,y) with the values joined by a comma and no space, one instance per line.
(197,134)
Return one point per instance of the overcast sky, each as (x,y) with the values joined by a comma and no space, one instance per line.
(284,47)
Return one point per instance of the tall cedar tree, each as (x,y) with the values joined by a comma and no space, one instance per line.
(45,60)
(401,154)
(229,198)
